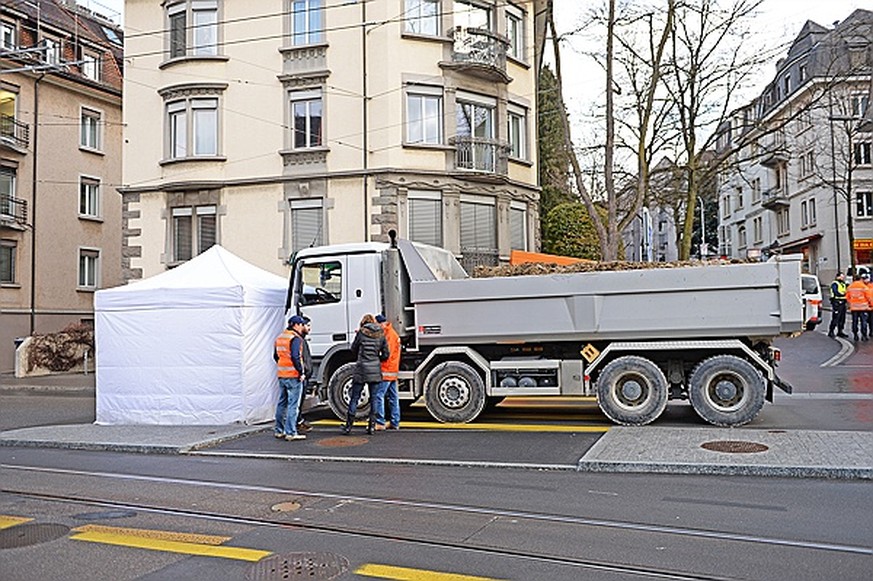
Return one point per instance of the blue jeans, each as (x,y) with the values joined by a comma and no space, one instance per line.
(290,390)
(387,396)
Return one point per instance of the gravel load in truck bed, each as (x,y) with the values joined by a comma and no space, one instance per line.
(536,268)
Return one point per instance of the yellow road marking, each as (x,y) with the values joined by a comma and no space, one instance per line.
(154,534)
(11,521)
(406,574)
(485,426)
(139,542)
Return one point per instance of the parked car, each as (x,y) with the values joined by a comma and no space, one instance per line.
(811,300)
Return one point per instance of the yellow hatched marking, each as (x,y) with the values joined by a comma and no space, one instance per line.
(153,534)
(11,521)
(138,542)
(485,426)
(406,574)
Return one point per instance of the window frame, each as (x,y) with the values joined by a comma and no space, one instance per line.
(518,210)
(307,97)
(479,202)
(91,65)
(413,14)
(425,197)
(307,36)
(295,207)
(8,32)
(864,205)
(187,42)
(93,126)
(182,111)
(862,153)
(88,279)
(12,173)
(517,150)
(515,33)
(11,247)
(424,94)
(195,246)
(475,8)
(90,197)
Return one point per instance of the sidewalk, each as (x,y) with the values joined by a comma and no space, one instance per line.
(63,382)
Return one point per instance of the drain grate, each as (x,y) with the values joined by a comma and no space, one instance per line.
(31,534)
(734,447)
(298,566)
(343,441)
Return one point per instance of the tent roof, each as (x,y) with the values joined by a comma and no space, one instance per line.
(216,277)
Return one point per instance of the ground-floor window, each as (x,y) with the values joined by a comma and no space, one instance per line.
(307,224)
(864,204)
(426,217)
(89,263)
(7,261)
(194,231)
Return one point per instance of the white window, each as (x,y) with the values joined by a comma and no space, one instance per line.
(52,50)
(725,206)
(783,218)
(786,84)
(194,231)
(858,104)
(741,237)
(307,119)
(425,217)
(91,66)
(756,190)
(89,135)
(198,39)
(758,229)
(517,227)
(89,265)
(307,224)
(740,200)
(424,117)
(7,36)
(517,132)
(7,261)
(307,22)
(863,153)
(807,161)
(7,192)
(802,72)
(864,204)
(478,225)
(471,14)
(515,33)
(89,197)
(193,128)
(423,17)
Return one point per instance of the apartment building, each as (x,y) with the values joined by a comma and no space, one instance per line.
(273,126)
(798,173)
(60,162)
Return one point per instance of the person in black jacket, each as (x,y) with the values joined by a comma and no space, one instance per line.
(303,426)
(371,349)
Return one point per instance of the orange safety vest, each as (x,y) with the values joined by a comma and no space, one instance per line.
(283,349)
(856,296)
(869,293)
(391,366)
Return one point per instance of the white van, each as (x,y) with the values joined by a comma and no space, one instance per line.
(811,300)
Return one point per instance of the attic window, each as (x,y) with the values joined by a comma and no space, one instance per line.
(802,72)
(112,36)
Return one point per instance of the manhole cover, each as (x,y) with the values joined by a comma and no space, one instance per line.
(285,507)
(343,442)
(107,514)
(30,534)
(298,566)
(734,447)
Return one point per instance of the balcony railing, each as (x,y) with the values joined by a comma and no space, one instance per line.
(12,210)
(775,198)
(481,154)
(14,131)
(775,154)
(479,52)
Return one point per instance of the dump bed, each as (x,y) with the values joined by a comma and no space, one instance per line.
(760,300)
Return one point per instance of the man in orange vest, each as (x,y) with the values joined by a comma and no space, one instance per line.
(856,297)
(387,392)
(289,355)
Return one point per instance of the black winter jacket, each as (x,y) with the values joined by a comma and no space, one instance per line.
(371,349)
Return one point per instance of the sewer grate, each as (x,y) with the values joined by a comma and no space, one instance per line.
(734,447)
(31,534)
(298,566)
(343,441)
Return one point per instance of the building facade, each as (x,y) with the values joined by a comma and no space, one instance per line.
(60,162)
(273,126)
(797,174)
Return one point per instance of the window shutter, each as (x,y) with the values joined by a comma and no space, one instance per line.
(426,221)
(306,228)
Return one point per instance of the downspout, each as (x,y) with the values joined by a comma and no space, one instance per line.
(365,140)
(33,203)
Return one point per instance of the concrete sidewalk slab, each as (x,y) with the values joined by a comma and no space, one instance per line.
(141,439)
(711,451)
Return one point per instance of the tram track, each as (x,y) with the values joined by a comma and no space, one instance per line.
(445,510)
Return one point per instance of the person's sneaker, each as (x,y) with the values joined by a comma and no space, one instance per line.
(295,437)
(278,435)
(304,428)
(380,427)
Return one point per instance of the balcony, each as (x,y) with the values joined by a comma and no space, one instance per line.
(478,154)
(775,199)
(774,155)
(14,133)
(13,212)
(479,53)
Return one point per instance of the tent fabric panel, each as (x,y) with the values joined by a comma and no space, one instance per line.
(261,386)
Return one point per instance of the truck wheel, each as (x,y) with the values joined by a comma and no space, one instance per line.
(726,390)
(632,390)
(339,390)
(454,393)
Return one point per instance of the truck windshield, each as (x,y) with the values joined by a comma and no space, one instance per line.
(322,282)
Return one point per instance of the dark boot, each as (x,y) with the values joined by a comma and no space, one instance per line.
(371,422)
(347,427)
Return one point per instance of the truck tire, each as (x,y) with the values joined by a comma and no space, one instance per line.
(632,390)
(339,388)
(726,390)
(454,393)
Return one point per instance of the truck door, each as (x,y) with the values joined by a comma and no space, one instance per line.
(363,280)
(320,294)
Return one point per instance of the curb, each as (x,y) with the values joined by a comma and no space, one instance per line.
(832,473)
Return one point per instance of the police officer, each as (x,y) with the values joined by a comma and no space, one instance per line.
(838,306)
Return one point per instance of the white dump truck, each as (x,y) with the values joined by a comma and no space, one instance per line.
(633,338)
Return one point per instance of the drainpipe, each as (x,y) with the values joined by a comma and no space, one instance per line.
(33,203)
(365,140)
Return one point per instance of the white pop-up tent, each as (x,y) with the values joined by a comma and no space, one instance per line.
(191,346)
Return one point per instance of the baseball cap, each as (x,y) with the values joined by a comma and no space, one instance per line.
(296,320)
